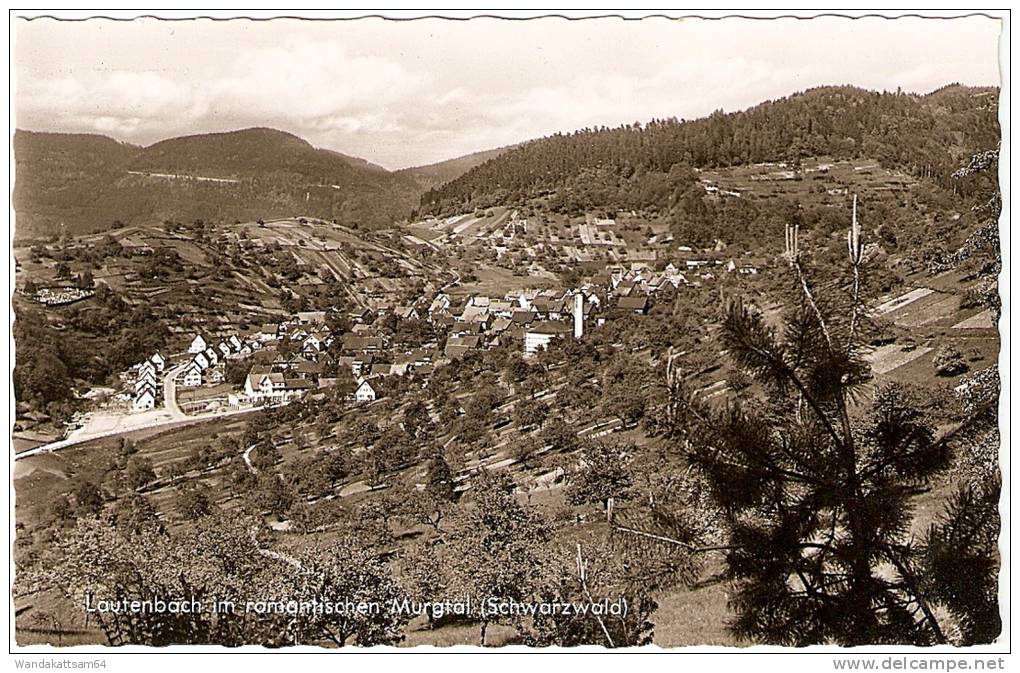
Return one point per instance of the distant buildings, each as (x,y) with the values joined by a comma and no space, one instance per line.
(748,266)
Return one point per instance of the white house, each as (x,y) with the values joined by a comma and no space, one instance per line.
(212,356)
(202,360)
(148,379)
(144,400)
(192,376)
(540,335)
(224,349)
(158,361)
(262,387)
(268,332)
(198,344)
(312,343)
(235,343)
(215,374)
(274,387)
(365,392)
(145,369)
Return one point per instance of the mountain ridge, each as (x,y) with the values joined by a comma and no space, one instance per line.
(629,166)
(79,183)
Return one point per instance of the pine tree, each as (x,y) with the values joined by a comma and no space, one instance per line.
(815,484)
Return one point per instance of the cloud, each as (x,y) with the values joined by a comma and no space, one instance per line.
(407,93)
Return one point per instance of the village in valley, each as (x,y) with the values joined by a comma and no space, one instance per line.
(516,377)
(230,371)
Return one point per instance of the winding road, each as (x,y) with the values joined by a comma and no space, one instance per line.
(170,391)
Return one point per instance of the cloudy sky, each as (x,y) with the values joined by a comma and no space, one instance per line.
(415,92)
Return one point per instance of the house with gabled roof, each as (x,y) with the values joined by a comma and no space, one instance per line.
(312,344)
(224,349)
(523,317)
(266,387)
(202,360)
(548,307)
(158,361)
(362,314)
(637,303)
(198,344)
(145,399)
(145,381)
(192,376)
(144,369)
(440,303)
(500,325)
(353,343)
(269,332)
(748,266)
(365,393)
(458,346)
(478,314)
(406,312)
(311,317)
(381,369)
(539,335)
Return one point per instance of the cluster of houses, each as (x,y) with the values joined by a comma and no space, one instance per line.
(517,225)
(146,384)
(289,377)
(284,380)
(207,361)
(531,318)
(534,318)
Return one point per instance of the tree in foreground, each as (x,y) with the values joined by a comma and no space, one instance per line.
(222,561)
(815,483)
(593,573)
(499,549)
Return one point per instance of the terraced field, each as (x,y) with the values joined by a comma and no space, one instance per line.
(819,179)
(464,226)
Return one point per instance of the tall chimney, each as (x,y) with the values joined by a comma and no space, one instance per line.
(578,315)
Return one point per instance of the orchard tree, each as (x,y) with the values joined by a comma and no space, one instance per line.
(134,514)
(138,473)
(602,475)
(425,577)
(346,571)
(499,547)
(591,572)
(88,498)
(193,501)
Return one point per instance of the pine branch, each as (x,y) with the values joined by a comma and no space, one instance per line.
(914,587)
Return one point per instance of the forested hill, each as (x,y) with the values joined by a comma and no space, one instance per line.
(629,166)
(68,183)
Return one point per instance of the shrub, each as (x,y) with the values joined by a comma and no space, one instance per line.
(948,361)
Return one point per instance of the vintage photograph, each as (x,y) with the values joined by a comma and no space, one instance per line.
(500,333)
